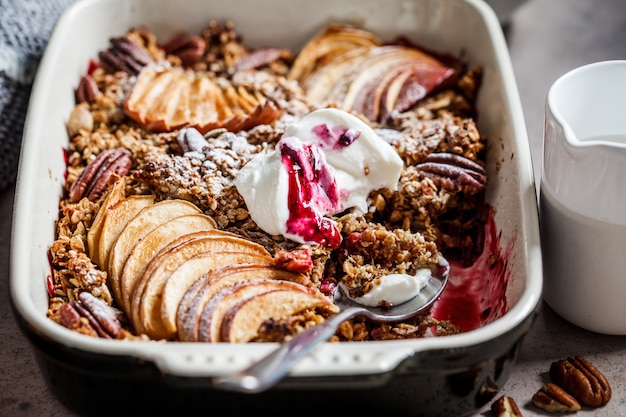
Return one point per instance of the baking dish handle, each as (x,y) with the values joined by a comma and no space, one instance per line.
(328,360)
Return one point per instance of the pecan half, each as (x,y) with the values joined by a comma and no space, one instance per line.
(100,319)
(124,55)
(87,89)
(505,407)
(102,312)
(454,172)
(94,180)
(554,399)
(190,49)
(582,380)
(69,317)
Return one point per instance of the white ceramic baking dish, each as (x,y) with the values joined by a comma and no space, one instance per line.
(430,376)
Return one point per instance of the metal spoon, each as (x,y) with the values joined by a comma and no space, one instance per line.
(268,371)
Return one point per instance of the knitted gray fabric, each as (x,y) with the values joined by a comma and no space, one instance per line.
(25,27)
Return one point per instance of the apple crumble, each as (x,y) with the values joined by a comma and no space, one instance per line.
(155,237)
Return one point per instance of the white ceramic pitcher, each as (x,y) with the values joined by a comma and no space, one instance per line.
(583,197)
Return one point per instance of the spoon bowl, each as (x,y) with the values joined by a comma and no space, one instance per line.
(268,371)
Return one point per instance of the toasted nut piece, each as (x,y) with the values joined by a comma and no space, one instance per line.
(190,140)
(80,119)
(454,172)
(124,55)
(189,49)
(90,315)
(554,399)
(102,312)
(582,380)
(505,407)
(94,180)
(87,89)
(69,317)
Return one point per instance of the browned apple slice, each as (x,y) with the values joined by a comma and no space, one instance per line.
(147,219)
(242,321)
(155,303)
(190,271)
(163,99)
(150,286)
(385,98)
(330,43)
(116,193)
(401,88)
(152,243)
(376,98)
(203,109)
(373,81)
(376,62)
(159,98)
(199,294)
(319,84)
(117,217)
(213,313)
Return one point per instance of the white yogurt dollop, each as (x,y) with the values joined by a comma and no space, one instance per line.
(394,289)
(263,183)
(327,162)
(360,166)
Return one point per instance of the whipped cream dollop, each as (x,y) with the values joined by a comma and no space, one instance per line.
(393,289)
(325,163)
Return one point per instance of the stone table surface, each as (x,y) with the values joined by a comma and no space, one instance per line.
(546,39)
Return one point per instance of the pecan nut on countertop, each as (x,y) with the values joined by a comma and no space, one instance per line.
(505,407)
(554,399)
(582,380)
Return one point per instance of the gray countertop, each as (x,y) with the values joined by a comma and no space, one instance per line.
(546,38)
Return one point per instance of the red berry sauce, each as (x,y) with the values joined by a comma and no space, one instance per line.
(312,192)
(476,295)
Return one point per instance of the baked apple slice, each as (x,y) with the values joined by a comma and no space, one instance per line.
(117,217)
(351,69)
(139,226)
(164,99)
(318,85)
(155,303)
(333,42)
(116,193)
(199,294)
(242,321)
(153,285)
(151,244)
(371,74)
(206,103)
(159,99)
(213,314)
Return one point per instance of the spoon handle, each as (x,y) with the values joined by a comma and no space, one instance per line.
(267,372)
